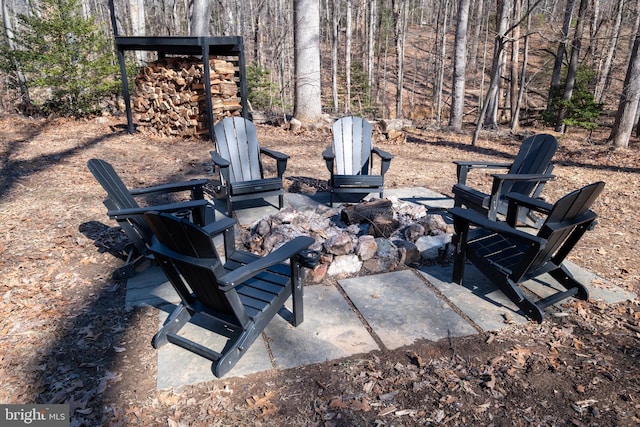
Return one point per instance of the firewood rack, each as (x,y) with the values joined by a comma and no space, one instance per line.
(230,46)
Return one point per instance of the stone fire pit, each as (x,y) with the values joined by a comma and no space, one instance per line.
(349,242)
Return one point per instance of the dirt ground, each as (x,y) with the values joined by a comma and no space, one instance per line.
(66,336)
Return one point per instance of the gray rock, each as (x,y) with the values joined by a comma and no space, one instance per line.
(430,247)
(339,244)
(367,247)
(344,265)
(410,255)
(414,231)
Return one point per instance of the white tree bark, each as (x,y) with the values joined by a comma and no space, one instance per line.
(605,73)
(347,56)
(629,100)
(573,63)
(492,99)
(400,10)
(459,66)
(200,17)
(308,104)
(138,26)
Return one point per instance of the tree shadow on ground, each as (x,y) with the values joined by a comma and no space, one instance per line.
(15,170)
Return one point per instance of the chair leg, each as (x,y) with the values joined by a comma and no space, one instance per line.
(281,201)
(460,250)
(235,349)
(531,310)
(178,318)
(229,208)
(296,293)
(566,279)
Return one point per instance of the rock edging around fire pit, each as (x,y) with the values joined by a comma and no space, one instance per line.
(417,237)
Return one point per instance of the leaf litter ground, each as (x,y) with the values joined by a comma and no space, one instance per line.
(68,338)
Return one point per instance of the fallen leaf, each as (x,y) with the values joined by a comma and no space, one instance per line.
(337,403)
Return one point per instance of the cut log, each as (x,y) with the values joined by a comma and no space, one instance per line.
(383,227)
(367,211)
(173,88)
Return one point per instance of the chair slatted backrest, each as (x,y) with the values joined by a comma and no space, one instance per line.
(567,214)
(237,142)
(352,145)
(112,184)
(183,238)
(534,157)
(119,197)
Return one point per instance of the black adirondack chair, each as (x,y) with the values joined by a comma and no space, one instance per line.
(239,160)
(122,207)
(237,299)
(508,256)
(350,159)
(526,175)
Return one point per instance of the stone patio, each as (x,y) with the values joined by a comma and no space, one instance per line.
(359,314)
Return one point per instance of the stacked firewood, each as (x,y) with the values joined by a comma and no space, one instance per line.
(170,96)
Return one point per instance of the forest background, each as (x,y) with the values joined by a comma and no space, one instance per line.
(66,333)
(504,63)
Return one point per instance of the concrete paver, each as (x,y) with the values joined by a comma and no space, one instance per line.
(477,298)
(400,308)
(331,330)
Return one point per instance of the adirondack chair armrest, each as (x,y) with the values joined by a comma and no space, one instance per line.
(329,157)
(499,180)
(534,204)
(195,261)
(280,158)
(385,158)
(218,160)
(170,208)
(589,217)
(286,251)
(463,167)
(519,200)
(219,226)
(223,164)
(543,177)
(383,154)
(274,154)
(195,186)
(469,216)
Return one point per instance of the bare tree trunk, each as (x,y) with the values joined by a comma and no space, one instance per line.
(400,20)
(629,100)
(492,99)
(444,6)
(138,26)
(335,31)
(308,102)
(8,27)
(573,64)
(605,74)
(373,18)
(513,66)
(347,57)
(556,75)
(200,17)
(459,66)
(475,39)
(515,120)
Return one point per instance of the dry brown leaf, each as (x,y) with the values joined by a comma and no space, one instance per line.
(360,405)
(520,355)
(337,403)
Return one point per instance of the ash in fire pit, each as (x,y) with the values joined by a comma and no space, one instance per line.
(376,236)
